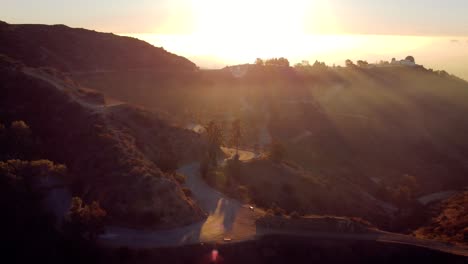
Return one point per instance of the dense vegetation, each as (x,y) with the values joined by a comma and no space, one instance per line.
(449,222)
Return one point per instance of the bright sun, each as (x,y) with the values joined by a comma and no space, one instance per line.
(247,18)
(232,32)
(246,28)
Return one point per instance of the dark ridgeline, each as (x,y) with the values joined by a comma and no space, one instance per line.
(81,50)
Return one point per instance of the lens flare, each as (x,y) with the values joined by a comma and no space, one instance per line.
(214,255)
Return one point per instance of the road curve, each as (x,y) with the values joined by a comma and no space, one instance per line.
(227,218)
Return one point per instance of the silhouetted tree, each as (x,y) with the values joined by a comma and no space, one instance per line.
(32,171)
(236,134)
(259,62)
(20,129)
(303,64)
(349,63)
(283,62)
(319,65)
(215,139)
(362,63)
(20,141)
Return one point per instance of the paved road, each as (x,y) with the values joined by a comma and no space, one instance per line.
(227,218)
(230,219)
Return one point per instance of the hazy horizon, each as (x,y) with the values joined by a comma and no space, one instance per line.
(214,34)
(447,53)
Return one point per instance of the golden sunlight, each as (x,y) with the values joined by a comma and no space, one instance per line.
(248,26)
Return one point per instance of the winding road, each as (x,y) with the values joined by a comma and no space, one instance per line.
(227,219)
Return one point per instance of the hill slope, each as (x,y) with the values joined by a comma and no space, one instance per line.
(115,153)
(81,50)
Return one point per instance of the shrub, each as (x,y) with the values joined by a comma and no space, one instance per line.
(20,128)
(85,221)
(31,170)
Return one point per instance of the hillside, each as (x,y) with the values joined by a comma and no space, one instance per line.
(370,125)
(119,155)
(395,133)
(287,188)
(80,50)
(449,222)
(359,141)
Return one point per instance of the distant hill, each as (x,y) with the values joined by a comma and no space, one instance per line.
(373,124)
(80,50)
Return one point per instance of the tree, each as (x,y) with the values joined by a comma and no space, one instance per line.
(283,62)
(362,63)
(236,134)
(20,128)
(302,64)
(277,151)
(259,62)
(32,172)
(20,141)
(85,221)
(215,139)
(349,63)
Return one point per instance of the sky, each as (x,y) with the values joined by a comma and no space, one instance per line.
(216,33)
(389,17)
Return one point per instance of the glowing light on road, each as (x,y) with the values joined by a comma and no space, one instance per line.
(214,255)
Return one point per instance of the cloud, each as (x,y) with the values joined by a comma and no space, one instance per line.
(455,41)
